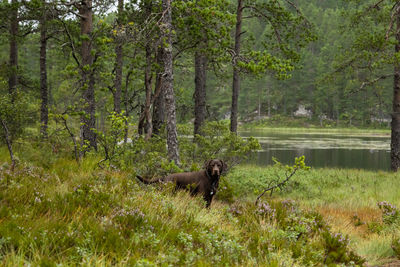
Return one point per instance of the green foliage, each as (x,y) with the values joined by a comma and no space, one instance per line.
(72,214)
(284,33)
(13,112)
(225,191)
(299,164)
(109,140)
(396,246)
(217,141)
(336,246)
(390,213)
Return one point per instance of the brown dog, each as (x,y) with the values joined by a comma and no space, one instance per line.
(202,182)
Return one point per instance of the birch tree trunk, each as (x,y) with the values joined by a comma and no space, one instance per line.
(167,83)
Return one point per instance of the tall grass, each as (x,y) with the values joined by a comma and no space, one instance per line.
(58,212)
(346,198)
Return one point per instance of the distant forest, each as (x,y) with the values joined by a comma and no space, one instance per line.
(167,62)
(312,83)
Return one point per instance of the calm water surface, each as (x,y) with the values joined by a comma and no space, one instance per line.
(335,150)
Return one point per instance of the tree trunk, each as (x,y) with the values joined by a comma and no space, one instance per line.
(44,110)
(236,74)
(9,143)
(118,62)
(200,65)
(148,85)
(158,108)
(259,104)
(167,83)
(269,100)
(88,119)
(395,140)
(159,103)
(126,103)
(13,63)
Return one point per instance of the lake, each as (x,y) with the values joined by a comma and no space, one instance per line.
(333,150)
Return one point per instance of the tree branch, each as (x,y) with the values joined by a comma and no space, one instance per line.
(279,185)
(367,83)
(395,15)
(71,43)
(72,137)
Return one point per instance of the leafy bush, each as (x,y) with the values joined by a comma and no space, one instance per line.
(390,213)
(74,214)
(396,246)
(108,140)
(336,250)
(217,141)
(225,191)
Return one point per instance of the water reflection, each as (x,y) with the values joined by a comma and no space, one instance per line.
(338,150)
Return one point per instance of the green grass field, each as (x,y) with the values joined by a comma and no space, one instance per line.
(347,199)
(56,212)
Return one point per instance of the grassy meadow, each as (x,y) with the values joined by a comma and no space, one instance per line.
(347,199)
(57,212)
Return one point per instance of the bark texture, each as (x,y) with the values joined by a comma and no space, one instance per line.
(7,137)
(126,103)
(236,73)
(200,65)
(395,138)
(159,103)
(13,61)
(118,62)
(148,85)
(44,110)
(167,83)
(88,119)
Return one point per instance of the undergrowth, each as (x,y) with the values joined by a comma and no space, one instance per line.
(360,204)
(70,214)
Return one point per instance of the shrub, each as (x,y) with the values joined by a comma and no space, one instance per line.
(390,213)
(225,191)
(396,246)
(217,141)
(336,250)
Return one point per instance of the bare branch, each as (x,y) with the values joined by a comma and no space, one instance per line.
(395,15)
(72,137)
(298,11)
(71,43)
(261,14)
(367,83)
(278,185)
(376,5)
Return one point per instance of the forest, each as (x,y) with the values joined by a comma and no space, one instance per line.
(94,93)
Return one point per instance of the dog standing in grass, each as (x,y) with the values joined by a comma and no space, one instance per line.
(203,182)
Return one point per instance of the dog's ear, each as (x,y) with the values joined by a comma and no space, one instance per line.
(207,164)
(224,166)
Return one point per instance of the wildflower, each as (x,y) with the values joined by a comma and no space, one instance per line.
(265,209)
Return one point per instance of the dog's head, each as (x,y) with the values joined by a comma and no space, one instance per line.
(215,167)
